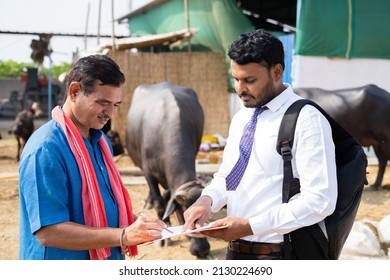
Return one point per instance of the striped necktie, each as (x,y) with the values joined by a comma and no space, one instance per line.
(246,142)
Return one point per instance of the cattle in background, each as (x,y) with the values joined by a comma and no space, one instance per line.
(114,138)
(364,112)
(22,128)
(163,134)
(116,142)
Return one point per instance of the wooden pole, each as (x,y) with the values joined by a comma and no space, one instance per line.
(113,25)
(86,28)
(99,15)
(187,19)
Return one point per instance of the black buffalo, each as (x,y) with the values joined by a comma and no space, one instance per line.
(22,128)
(116,142)
(364,112)
(163,134)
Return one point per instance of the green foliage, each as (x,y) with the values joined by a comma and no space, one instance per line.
(12,69)
(56,70)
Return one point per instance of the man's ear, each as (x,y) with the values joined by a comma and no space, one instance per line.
(278,72)
(74,90)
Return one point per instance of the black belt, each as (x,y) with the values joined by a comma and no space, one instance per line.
(254,248)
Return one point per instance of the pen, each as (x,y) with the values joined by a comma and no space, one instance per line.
(144,215)
(168,230)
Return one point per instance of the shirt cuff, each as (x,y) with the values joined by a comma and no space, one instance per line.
(217,200)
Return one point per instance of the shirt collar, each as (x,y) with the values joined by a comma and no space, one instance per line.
(95,135)
(276,103)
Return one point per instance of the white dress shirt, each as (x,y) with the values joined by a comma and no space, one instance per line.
(259,194)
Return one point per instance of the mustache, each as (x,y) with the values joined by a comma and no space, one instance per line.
(243,94)
(103,116)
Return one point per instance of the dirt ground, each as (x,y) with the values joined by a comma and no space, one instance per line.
(374,206)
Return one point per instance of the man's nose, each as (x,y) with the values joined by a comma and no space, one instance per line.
(110,110)
(240,87)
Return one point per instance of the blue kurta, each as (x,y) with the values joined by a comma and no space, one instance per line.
(50,191)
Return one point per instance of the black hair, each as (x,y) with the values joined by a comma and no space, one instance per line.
(257,46)
(87,70)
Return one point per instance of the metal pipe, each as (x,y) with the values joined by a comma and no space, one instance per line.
(113,25)
(187,19)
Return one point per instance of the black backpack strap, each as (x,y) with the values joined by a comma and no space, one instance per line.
(286,139)
(284,145)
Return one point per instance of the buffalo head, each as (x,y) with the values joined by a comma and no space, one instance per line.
(183,197)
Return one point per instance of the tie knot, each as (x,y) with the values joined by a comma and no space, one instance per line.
(259,110)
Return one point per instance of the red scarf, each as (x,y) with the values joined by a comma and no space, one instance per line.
(93,205)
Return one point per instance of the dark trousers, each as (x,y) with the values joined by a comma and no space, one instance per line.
(230,255)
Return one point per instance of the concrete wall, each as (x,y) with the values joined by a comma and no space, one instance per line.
(338,73)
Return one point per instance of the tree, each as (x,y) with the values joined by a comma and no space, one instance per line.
(57,70)
(12,69)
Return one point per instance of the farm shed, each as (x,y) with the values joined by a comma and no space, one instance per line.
(198,61)
(329,44)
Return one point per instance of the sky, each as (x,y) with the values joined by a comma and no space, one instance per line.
(59,16)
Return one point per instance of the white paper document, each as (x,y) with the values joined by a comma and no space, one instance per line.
(177,230)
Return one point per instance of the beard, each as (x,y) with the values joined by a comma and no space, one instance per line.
(268,93)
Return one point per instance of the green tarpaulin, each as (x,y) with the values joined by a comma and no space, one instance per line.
(219,23)
(343,28)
